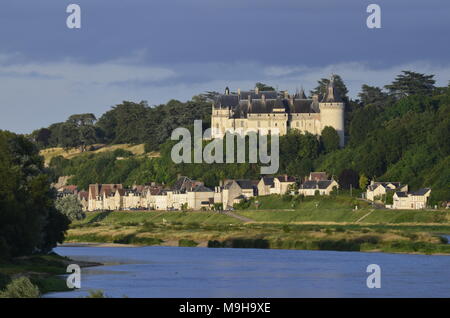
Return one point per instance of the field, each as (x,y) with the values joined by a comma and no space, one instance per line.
(315,223)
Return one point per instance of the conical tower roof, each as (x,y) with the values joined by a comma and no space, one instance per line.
(331,95)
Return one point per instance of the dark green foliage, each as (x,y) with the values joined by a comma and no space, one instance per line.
(348,178)
(329,139)
(187,243)
(411,83)
(240,243)
(29,221)
(371,95)
(264,87)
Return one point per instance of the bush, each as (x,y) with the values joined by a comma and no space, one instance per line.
(96,294)
(187,243)
(148,226)
(20,288)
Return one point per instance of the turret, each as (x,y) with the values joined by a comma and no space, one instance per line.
(332,110)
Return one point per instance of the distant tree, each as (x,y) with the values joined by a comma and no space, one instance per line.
(347,178)
(371,95)
(43,137)
(363,181)
(321,88)
(71,207)
(411,83)
(264,87)
(329,139)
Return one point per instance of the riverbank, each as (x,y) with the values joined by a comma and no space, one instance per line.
(43,271)
(275,230)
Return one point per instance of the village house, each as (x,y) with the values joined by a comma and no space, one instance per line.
(185,194)
(317,176)
(83,197)
(378,190)
(234,191)
(105,197)
(321,187)
(275,185)
(414,200)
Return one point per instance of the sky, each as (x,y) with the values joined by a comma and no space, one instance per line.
(174,49)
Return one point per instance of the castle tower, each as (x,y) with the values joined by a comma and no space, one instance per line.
(332,111)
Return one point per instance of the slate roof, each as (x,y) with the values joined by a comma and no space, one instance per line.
(314,184)
(422,191)
(239,103)
(245,184)
(373,186)
(201,188)
(331,95)
(268,181)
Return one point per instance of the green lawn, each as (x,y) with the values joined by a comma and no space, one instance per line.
(122,217)
(276,208)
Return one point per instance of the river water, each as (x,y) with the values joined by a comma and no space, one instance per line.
(224,272)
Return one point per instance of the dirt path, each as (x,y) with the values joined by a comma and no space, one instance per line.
(239,217)
(363,217)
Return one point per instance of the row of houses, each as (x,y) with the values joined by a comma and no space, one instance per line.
(402,198)
(192,194)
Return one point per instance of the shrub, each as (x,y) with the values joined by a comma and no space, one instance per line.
(96,294)
(148,226)
(187,243)
(20,288)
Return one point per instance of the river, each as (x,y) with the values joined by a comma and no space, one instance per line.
(224,272)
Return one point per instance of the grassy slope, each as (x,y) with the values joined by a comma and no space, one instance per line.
(338,209)
(49,153)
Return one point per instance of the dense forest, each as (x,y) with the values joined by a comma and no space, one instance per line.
(399,132)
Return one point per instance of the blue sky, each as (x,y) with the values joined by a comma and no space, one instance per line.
(162,49)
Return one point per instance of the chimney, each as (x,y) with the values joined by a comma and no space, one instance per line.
(263,98)
(315,98)
(239,91)
(286,94)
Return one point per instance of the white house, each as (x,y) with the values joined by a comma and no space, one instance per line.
(376,190)
(411,200)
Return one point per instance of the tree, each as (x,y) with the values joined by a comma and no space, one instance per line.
(71,207)
(371,95)
(363,181)
(341,89)
(43,137)
(329,139)
(348,178)
(263,87)
(29,221)
(20,287)
(411,83)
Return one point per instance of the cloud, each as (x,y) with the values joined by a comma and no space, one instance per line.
(35,94)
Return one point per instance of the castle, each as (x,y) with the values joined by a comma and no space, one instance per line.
(264,111)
